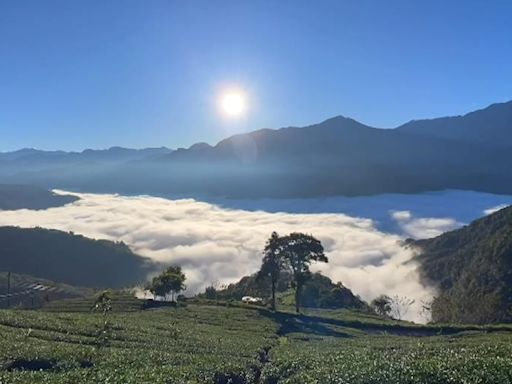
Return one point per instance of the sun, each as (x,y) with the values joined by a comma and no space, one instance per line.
(233,103)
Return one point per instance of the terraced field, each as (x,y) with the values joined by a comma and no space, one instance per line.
(203,343)
(32,292)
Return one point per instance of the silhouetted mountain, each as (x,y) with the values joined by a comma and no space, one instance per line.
(472,267)
(68,258)
(113,154)
(339,156)
(491,126)
(30,197)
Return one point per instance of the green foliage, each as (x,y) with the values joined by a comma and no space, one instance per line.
(393,360)
(103,304)
(68,258)
(320,292)
(210,292)
(472,268)
(171,281)
(185,345)
(247,286)
(299,251)
(120,301)
(227,344)
(292,254)
(25,296)
(272,264)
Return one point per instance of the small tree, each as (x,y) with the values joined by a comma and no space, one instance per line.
(299,251)
(170,282)
(272,264)
(210,292)
(103,304)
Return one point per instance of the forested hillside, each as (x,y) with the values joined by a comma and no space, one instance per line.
(472,267)
(26,291)
(318,292)
(69,258)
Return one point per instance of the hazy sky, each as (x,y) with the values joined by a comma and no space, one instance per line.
(96,73)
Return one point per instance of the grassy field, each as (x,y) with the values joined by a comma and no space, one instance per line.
(206,343)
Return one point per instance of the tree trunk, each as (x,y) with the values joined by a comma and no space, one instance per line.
(273,295)
(297,298)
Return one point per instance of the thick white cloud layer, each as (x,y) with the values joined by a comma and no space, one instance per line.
(215,244)
(423,227)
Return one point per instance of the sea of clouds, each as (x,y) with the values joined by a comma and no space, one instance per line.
(219,245)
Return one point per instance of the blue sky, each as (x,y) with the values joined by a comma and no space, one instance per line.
(95,73)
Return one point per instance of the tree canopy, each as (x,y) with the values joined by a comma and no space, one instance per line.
(272,264)
(169,282)
(299,251)
(293,253)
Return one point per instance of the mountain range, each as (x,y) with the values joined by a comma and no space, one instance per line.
(339,156)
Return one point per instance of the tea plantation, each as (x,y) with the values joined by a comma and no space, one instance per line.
(208,342)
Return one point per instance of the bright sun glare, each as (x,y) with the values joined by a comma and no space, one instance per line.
(233,103)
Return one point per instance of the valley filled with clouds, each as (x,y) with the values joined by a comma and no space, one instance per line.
(219,244)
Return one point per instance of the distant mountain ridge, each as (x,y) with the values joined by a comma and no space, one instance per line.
(489,126)
(112,154)
(339,156)
(30,197)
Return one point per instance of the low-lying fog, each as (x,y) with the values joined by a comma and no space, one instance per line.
(420,215)
(219,243)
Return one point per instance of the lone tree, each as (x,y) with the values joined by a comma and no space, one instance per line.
(299,251)
(272,264)
(103,304)
(169,282)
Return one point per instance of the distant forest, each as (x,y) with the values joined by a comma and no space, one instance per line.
(69,258)
(472,267)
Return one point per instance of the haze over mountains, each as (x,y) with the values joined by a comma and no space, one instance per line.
(31,197)
(339,156)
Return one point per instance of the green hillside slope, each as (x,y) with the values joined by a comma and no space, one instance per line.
(319,292)
(31,292)
(472,267)
(242,345)
(69,258)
